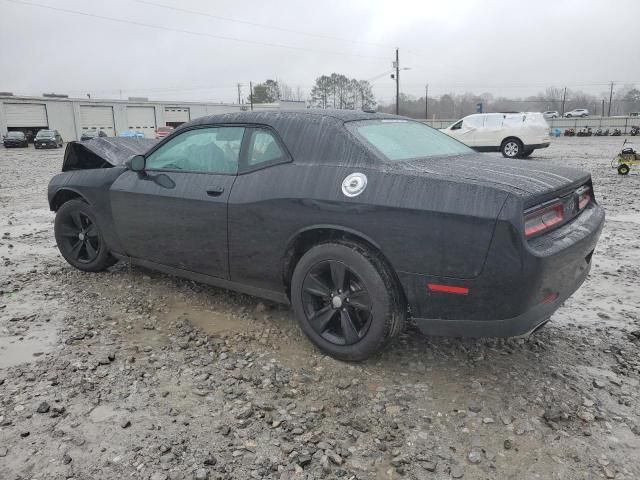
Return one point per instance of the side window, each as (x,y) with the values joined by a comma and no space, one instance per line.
(212,150)
(493,122)
(457,126)
(263,148)
(473,121)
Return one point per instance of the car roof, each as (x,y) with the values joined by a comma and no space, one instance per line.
(270,116)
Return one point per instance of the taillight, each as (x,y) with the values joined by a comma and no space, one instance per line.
(543,219)
(584,197)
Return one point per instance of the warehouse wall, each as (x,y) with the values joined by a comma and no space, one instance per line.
(64,114)
(61,118)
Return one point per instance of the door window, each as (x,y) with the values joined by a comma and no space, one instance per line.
(211,150)
(263,149)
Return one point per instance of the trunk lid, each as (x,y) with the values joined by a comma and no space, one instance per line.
(533,182)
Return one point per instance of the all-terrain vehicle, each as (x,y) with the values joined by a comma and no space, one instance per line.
(570,132)
(616,132)
(635,130)
(627,157)
(585,132)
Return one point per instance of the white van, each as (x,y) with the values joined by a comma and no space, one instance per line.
(516,135)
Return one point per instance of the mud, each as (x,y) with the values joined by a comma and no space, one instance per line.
(131,373)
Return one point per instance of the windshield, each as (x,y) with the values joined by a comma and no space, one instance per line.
(15,135)
(45,134)
(399,140)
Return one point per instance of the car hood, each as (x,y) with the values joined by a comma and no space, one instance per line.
(523,178)
(103,152)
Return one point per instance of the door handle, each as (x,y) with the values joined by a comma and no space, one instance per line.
(215,190)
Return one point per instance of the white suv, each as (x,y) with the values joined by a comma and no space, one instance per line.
(578,112)
(514,134)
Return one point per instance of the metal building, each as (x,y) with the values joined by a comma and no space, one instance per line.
(72,116)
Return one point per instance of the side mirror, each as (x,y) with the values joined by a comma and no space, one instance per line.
(135,163)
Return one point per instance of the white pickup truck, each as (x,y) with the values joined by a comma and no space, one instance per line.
(516,135)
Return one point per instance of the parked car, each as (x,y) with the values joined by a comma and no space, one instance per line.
(551,114)
(354,218)
(634,114)
(48,139)
(578,112)
(132,133)
(516,135)
(162,132)
(89,134)
(15,139)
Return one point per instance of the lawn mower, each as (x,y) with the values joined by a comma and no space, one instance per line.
(627,157)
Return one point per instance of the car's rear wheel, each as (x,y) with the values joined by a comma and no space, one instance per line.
(79,238)
(511,148)
(623,169)
(346,300)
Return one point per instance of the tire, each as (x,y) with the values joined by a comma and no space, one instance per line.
(354,297)
(527,152)
(623,169)
(511,148)
(568,115)
(79,238)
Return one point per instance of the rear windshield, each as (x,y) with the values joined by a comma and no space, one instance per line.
(399,140)
(15,135)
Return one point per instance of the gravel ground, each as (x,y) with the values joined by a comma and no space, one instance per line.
(134,374)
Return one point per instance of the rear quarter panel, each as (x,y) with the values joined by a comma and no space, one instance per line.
(421,225)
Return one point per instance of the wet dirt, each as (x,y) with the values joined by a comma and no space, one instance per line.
(154,377)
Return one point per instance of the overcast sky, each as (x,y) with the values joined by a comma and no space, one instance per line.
(512,48)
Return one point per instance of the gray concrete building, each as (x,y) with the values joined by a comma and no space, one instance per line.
(72,116)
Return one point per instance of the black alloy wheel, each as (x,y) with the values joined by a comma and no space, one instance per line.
(347,299)
(336,303)
(79,239)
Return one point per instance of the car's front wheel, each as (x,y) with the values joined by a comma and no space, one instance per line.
(79,238)
(511,148)
(346,300)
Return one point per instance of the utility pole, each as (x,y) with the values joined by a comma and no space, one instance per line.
(602,110)
(251,94)
(564,97)
(426,102)
(610,98)
(397,82)
(239,92)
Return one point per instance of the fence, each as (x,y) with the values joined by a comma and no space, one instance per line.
(623,123)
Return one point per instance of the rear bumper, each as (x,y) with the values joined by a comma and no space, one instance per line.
(538,145)
(519,288)
(509,327)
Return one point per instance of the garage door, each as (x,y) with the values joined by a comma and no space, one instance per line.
(142,119)
(97,118)
(174,116)
(26,115)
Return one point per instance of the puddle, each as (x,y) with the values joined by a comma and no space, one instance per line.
(209,321)
(39,339)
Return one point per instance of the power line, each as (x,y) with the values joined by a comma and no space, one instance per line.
(260,25)
(190,32)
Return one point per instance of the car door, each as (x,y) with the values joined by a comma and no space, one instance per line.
(466,130)
(175,212)
(257,213)
(491,133)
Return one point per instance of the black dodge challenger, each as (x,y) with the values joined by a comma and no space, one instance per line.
(359,220)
